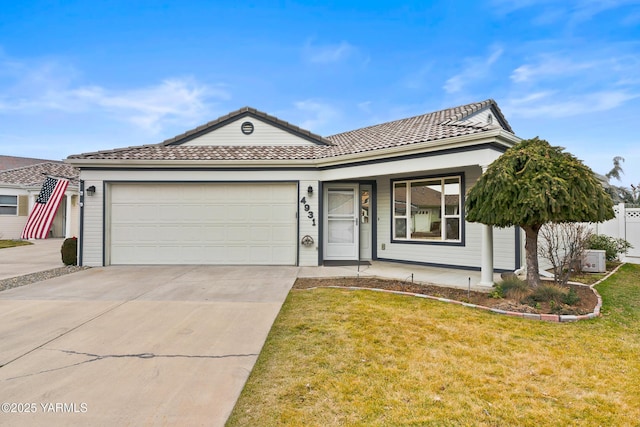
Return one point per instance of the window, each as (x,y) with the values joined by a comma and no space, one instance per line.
(8,205)
(428,209)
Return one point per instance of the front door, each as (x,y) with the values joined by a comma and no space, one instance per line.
(365,222)
(341,222)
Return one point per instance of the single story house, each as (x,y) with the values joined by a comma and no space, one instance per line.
(249,188)
(19,189)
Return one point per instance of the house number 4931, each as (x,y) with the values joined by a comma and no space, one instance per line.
(308,210)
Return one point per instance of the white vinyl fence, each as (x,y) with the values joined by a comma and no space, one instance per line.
(625,225)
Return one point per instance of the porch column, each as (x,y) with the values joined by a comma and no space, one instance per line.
(486,266)
(67,219)
(486,269)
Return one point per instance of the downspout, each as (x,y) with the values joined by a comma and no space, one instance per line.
(81,236)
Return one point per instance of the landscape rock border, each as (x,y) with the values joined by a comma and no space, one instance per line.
(27,279)
(556,318)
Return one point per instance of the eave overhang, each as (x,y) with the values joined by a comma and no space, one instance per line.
(498,138)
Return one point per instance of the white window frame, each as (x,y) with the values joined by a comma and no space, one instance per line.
(9,205)
(443,213)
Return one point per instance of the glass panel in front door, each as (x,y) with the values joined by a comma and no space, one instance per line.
(342,223)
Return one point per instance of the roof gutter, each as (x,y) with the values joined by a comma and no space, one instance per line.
(143,164)
(498,136)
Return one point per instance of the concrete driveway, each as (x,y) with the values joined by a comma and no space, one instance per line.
(137,345)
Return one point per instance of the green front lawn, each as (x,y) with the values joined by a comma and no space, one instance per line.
(13,243)
(340,357)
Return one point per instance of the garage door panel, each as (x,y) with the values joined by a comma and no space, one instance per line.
(261,253)
(194,213)
(237,213)
(192,233)
(260,235)
(144,234)
(203,223)
(281,214)
(126,253)
(279,258)
(170,235)
(212,234)
(126,211)
(282,234)
(168,213)
(214,213)
(258,213)
(238,234)
(189,253)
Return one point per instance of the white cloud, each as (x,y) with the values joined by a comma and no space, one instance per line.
(454,84)
(553,104)
(568,13)
(365,106)
(315,115)
(573,82)
(419,78)
(475,69)
(328,53)
(585,10)
(174,100)
(549,66)
(51,86)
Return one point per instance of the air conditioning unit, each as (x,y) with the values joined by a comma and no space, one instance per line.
(594,261)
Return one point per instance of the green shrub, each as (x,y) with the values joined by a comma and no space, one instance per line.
(510,287)
(69,251)
(571,297)
(612,247)
(514,288)
(513,283)
(548,293)
(497,292)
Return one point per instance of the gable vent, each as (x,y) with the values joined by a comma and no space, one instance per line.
(247,128)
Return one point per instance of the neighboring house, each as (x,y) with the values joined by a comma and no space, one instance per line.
(13,162)
(249,188)
(19,189)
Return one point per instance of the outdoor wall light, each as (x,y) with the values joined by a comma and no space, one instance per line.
(310,190)
(91,190)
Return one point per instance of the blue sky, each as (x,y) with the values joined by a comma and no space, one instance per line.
(80,76)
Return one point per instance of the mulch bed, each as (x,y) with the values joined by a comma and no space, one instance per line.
(586,303)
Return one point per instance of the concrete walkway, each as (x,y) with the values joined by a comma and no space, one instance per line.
(45,255)
(22,260)
(407,272)
(135,345)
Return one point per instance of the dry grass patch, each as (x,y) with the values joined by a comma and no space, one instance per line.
(591,278)
(339,357)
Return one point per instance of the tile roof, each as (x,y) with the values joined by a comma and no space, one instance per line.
(12,162)
(34,175)
(427,127)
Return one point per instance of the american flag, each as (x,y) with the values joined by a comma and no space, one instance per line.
(44,210)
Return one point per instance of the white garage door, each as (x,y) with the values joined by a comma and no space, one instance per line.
(203,223)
